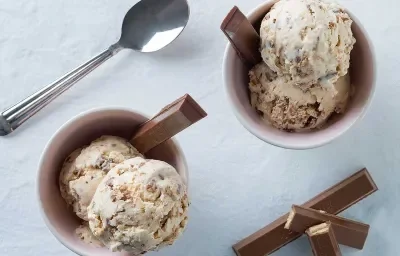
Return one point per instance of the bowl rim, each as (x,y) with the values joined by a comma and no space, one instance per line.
(276,142)
(72,120)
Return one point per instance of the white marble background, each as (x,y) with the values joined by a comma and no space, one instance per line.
(238,183)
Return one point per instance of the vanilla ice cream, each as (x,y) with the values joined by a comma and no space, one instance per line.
(85,168)
(308,41)
(289,107)
(140,206)
(86,235)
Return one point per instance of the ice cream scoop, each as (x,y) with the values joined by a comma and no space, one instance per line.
(289,107)
(85,168)
(303,79)
(309,41)
(141,205)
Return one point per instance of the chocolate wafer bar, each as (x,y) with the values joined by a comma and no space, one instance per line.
(323,240)
(333,200)
(348,232)
(171,120)
(243,37)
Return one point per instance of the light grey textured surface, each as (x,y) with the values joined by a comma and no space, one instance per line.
(238,183)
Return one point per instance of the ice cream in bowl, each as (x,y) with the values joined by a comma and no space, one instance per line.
(314,76)
(100,195)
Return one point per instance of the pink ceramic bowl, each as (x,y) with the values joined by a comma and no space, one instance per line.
(362,71)
(77,132)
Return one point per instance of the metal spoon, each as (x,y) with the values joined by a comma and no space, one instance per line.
(148,26)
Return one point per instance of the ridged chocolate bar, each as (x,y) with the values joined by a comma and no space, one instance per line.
(333,200)
(323,240)
(348,232)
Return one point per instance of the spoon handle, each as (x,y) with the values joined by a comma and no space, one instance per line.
(16,115)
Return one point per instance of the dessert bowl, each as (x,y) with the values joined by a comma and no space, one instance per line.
(362,72)
(77,132)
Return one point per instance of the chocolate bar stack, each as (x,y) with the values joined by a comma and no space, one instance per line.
(317,218)
(325,231)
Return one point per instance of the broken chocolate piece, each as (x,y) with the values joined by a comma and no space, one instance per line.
(348,232)
(171,120)
(323,241)
(333,200)
(243,37)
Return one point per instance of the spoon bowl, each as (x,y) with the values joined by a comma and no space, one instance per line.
(151,25)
